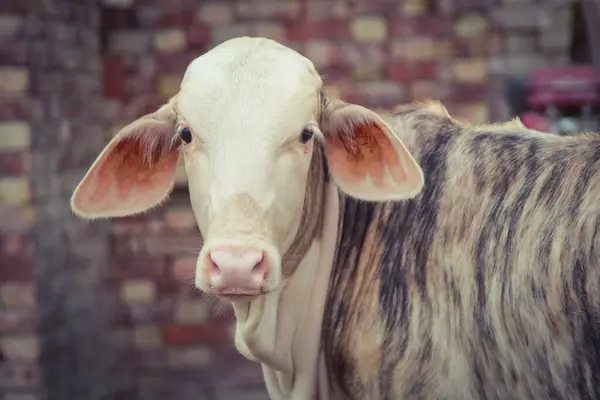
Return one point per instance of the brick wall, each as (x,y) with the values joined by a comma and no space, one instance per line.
(172,342)
(55,312)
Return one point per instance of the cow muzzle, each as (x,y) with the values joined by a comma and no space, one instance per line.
(237,270)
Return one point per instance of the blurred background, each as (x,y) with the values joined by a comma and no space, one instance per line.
(107,310)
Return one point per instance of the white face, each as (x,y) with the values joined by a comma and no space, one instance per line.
(249,106)
(246,124)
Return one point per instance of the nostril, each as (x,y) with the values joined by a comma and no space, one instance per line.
(261,266)
(213,267)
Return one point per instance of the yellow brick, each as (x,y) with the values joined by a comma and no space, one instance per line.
(444,49)
(417,49)
(471,26)
(17,295)
(192,311)
(413,8)
(138,291)
(14,191)
(318,51)
(369,28)
(194,356)
(169,41)
(271,31)
(424,90)
(147,336)
(474,113)
(215,13)
(472,70)
(366,71)
(168,85)
(14,79)
(15,136)
(22,347)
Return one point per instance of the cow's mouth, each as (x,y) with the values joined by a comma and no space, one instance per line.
(232,293)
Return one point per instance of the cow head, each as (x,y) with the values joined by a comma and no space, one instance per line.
(248,118)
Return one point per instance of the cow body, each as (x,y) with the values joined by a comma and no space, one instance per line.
(485,285)
(408,258)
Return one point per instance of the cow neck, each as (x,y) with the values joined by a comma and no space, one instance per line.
(282,330)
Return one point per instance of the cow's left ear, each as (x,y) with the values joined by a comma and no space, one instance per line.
(366,158)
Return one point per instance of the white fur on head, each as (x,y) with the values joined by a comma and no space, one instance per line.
(247,103)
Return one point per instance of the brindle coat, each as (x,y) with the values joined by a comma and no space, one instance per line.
(484,286)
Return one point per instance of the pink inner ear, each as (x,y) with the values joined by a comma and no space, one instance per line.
(133,174)
(367,152)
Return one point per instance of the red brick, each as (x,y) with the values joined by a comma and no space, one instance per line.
(176,19)
(114,78)
(15,6)
(118,18)
(331,29)
(468,93)
(14,107)
(14,164)
(461,48)
(16,258)
(14,51)
(184,269)
(268,9)
(408,72)
(126,226)
(198,35)
(135,267)
(139,85)
(181,219)
(16,321)
(336,73)
(19,375)
(172,244)
(174,63)
(167,287)
(144,105)
(183,335)
(130,63)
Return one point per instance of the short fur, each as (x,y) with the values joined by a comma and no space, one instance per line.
(485,285)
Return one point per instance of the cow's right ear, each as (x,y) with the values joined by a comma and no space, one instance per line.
(134,172)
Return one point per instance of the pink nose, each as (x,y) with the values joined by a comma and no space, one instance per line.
(237,270)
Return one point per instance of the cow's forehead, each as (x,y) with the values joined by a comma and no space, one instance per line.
(249,62)
(249,76)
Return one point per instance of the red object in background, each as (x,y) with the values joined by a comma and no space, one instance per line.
(559,100)
(535,121)
(564,87)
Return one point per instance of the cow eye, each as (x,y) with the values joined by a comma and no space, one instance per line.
(305,135)
(185,134)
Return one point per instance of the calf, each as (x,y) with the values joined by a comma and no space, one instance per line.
(412,257)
